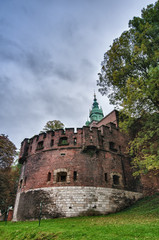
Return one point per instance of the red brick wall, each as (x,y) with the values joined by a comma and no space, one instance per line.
(111,117)
(90,156)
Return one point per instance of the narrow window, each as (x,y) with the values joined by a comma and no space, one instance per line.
(26,150)
(49,176)
(91,139)
(44,136)
(51,143)
(75,175)
(106,177)
(61,176)
(116,179)
(40,145)
(75,141)
(21,181)
(25,179)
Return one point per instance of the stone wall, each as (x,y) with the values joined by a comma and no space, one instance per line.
(73,201)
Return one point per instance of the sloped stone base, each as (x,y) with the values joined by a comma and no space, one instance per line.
(72,201)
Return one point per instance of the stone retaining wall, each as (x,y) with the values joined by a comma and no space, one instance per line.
(72,201)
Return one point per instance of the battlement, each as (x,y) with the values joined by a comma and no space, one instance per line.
(60,138)
(104,137)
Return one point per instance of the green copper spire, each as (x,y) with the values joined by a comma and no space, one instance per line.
(96,114)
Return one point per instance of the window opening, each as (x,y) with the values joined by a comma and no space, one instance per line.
(112,146)
(61,176)
(26,150)
(116,179)
(75,175)
(106,177)
(63,141)
(21,181)
(75,141)
(40,145)
(51,143)
(25,179)
(49,176)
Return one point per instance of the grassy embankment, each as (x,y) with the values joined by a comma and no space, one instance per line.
(140,221)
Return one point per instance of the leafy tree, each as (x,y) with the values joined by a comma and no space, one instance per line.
(52,125)
(8,186)
(130,78)
(8,174)
(7,151)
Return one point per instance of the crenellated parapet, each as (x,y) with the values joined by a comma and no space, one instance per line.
(50,140)
(106,138)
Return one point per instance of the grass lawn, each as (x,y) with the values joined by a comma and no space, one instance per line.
(140,221)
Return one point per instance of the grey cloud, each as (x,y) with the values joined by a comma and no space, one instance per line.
(9,50)
(4,85)
(39,62)
(65,72)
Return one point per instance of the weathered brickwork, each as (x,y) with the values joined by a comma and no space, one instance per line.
(74,173)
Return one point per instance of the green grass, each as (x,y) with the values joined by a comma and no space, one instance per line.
(140,221)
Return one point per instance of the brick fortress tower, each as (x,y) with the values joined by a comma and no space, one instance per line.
(76,173)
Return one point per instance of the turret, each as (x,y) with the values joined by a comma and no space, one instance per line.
(96,114)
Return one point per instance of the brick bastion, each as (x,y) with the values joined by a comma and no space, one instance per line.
(75,173)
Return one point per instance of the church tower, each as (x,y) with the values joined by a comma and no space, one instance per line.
(96,114)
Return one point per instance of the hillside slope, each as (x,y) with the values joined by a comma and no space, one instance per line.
(140,222)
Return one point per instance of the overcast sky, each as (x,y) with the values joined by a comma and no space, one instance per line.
(50,56)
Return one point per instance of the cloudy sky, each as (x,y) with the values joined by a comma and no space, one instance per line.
(50,56)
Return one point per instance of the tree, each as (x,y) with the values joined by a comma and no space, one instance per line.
(52,125)
(130,78)
(8,174)
(7,152)
(8,186)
